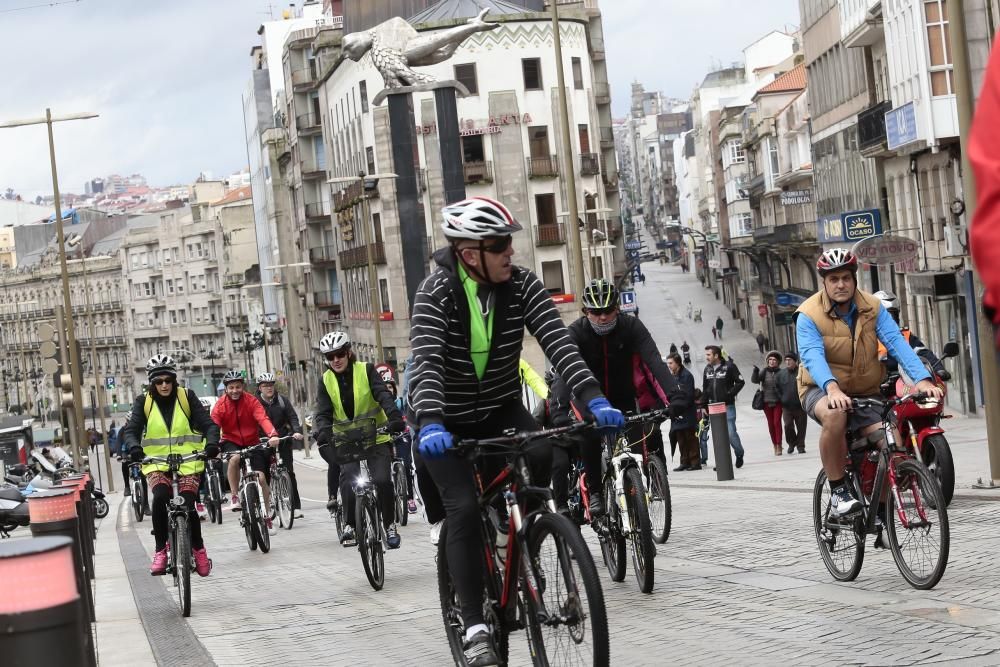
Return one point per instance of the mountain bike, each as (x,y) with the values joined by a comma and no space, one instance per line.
(139,501)
(546,583)
(253,510)
(626,505)
(902,504)
(213,483)
(658,485)
(401,488)
(180,561)
(281,492)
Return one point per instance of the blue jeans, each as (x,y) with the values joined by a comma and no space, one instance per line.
(734,437)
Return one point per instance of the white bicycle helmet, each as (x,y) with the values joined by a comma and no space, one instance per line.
(835,259)
(265,378)
(477,218)
(333,341)
(232,376)
(888,299)
(161,364)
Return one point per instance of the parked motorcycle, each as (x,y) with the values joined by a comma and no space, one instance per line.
(919,424)
(13,510)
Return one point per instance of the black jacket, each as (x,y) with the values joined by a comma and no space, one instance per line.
(442,385)
(788,389)
(323,416)
(282,415)
(682,403)
(135,428)
(722,384)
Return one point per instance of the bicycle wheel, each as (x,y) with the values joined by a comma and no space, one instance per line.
(937,457)
(660,510)
(138,504)
(917,527)
(641,535)
(567,623)
(215,493)
(338,518)
(399,485)
(451,610)
(366,526)
(182,563)
(610,536)
(251,514)
(841,544)
(281,493)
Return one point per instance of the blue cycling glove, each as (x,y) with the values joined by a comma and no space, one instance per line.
(605,415)
(435,441)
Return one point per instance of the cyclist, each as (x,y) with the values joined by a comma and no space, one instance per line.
(466,330)
(350,389)
(838,330)
(404,444)
(621,353)
(241,417)
(165,420)
(284,418)
(891,304)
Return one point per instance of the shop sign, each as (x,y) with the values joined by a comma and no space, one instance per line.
(861,224)
(886,250)
(795,197)
(563,298)
(491,125)
(901,126)
(829,229)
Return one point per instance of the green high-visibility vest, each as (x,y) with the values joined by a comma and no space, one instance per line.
(365,405)
(179,438)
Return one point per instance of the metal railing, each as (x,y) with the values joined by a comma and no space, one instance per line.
(327,300)
(478,172)
(871,125)
(590,164)
(543,167)
(326,254)
(355,257)
(550,234)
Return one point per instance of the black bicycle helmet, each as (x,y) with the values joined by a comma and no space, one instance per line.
(600,294)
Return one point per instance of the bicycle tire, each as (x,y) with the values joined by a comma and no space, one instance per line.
(251,511)
(641,535)
(399,488)
(915,481)
(182,563)
(215,491)
(558,641)
(451,612)
(282,497)
(936,455)
(366,528)
(263,534)
(338,520)
(660,509)
(610,536)
(846,565)
(138,502)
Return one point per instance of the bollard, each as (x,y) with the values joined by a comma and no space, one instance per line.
(42,621)
(53,512)
(720,442)
(83,503)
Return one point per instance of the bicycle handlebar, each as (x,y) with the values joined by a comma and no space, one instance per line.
(265,440)
(888,404)
(647,416)
(512,440)
(167,459)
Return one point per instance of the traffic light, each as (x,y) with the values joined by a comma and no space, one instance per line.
(66,387)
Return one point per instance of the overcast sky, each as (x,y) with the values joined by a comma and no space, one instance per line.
(167,77)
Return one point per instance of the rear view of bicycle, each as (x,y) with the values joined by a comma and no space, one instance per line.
(253,510)
(546,582)
(213,484)
(139,501)
(902,505)
(281,492)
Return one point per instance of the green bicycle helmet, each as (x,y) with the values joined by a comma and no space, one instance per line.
(600,294)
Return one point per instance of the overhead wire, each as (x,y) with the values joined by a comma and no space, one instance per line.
(55,3)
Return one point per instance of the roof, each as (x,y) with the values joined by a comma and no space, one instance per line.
(448,10)
(792,80)
(239,194)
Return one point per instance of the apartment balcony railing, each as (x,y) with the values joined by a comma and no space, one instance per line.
(311,169)
(871,127)
(590,164)
(317,210)
(326,254)
(355,257)
(308,123)
(553,233)
(304,79)
(543,167)
(236,321)
(232,280)
(327,300)
(607,137)
(478,172)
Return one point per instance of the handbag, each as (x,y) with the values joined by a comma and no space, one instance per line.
(758,400)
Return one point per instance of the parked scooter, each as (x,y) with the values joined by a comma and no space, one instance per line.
(919,424)
(13,510)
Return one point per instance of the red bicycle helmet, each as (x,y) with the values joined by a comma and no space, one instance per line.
(835,259)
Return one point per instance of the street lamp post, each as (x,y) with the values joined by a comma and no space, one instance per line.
(74,357)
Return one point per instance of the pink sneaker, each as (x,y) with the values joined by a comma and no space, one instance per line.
(159,566)
(202,563)
(235,503)
(269,522)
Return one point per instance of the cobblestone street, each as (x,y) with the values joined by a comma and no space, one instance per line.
(739,581)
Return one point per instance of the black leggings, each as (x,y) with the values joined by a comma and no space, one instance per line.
(379,467)
(564,456)
(162,493)
(454,478)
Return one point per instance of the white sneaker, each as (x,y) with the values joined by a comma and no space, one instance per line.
(436,532)
(202,512)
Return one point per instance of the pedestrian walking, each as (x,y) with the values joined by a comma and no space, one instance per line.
(673,348)
(761,341)
(715,334)
(683,415)
(722,382)
(794,417)
(690,310)
(686,353)
(768,381)
(718,325)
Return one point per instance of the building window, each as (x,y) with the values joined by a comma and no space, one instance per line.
(466,75)
(552,277)
(532,69)
(363,93)
(577,73)
(545,209)
(939,47)
(383,291)
(370,157)
(473,149)
(741,224)
(377,227)
(584,133)
(773,152)
(736,154)
(538,141)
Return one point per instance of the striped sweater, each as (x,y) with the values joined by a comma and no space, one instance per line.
(442,383)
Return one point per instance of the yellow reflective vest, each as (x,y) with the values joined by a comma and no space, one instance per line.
(179,438)
(365,405)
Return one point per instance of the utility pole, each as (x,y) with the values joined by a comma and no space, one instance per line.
(965,99)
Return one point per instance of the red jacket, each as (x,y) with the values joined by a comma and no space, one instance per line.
(984,154)
(239,420)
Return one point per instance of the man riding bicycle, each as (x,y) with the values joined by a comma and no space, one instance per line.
(838,330)
(241,418)
(282,414)
(349,390)
(467,329)
(621,353)
(165,420)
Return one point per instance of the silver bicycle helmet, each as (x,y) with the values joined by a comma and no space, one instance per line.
(478,218)
(334,341)
(161,364)
(265,378)
(889,300)
(232,376)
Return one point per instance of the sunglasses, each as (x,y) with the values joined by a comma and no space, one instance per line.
(337,355)
(497,245)
(160,381)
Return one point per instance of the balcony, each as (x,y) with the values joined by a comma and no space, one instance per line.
(858,27)
(327,300)
(304,80)
(232,281)
(602,92)
(236,321)
(312,169)
(552,233)
(308,123)
(871,129)
(803,233)
(543,167)
(607,137)
(326,254)
(317,210)
(355,257)
(590,164)
(478,172)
